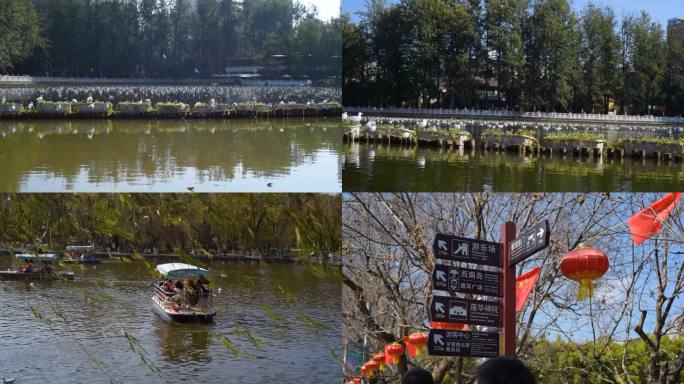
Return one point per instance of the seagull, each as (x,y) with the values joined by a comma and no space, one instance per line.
(196,70)
(191,189)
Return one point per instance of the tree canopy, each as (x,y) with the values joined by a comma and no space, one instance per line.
(158,38)
(135,222)
(533,55)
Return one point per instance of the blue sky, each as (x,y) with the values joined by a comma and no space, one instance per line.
(660,10)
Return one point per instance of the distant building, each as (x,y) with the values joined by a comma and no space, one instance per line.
(675,30)
(278,70)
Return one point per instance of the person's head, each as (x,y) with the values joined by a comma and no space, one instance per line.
(504,370)
(417,376)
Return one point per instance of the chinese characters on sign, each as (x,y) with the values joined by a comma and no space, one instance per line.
(467,250)
(465,311)
(466,280)
(462,343)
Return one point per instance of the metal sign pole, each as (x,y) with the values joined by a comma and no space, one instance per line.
(507,235)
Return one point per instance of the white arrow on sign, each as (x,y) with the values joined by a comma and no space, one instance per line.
(439,307)
(438,339)
(441,276)
(442,245)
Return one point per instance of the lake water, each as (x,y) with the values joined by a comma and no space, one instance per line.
(268,313)
(293,155)
(374,167)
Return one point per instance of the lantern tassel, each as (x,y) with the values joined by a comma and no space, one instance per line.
(586,289)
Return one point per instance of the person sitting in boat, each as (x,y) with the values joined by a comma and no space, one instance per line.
(168,285)
(202,284)
(179,285)
(47,267)
(28,267)
(192,292)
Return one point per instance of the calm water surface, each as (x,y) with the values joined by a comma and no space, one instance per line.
(170,156)
(84,343)
(371,167)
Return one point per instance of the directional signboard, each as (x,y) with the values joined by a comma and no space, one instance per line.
(529,242)
(466,280)
(461,343)
(464,311)
(467,250)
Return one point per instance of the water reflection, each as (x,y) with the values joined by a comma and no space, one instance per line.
(169,155)
(371,167)
(183,343)
(83,342)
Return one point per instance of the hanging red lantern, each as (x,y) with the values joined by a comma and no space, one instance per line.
(357,380)
(365,371)
(380,359)
(419,340)
(394,350)
(372,367)
(584,264)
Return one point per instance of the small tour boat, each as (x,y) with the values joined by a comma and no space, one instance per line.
(41,268)
(182,294)
(81,254)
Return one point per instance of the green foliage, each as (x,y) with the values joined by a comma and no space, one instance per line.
(203,224)
(573,136)
(519,132)
(533,55)
(556,362)
(162,39)
(19,32)
(653,140)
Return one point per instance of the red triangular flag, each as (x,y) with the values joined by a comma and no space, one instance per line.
(648,222)
(523,287)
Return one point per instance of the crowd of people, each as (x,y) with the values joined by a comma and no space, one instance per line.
(185,292)
(500,370)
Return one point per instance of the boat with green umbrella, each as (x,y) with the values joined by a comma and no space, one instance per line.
(182,294)
(36,266)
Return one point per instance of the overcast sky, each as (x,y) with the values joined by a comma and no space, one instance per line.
(326,8)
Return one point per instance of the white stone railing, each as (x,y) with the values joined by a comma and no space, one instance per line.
(447,113)
(88,80)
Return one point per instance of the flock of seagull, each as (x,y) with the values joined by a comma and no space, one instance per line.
(370,125)
(184,94)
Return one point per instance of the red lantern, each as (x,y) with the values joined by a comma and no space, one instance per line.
(372,367)
(380,359)
(419,340)
(584,264)
(394,350)
(365,371)
(357,380)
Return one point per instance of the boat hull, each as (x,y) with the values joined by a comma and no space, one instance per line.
(16,275)
(183,317)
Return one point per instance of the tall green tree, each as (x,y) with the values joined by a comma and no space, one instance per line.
(645,61)
(551,52)
(503,23)
(673,79)
(20,32)
(599,58)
